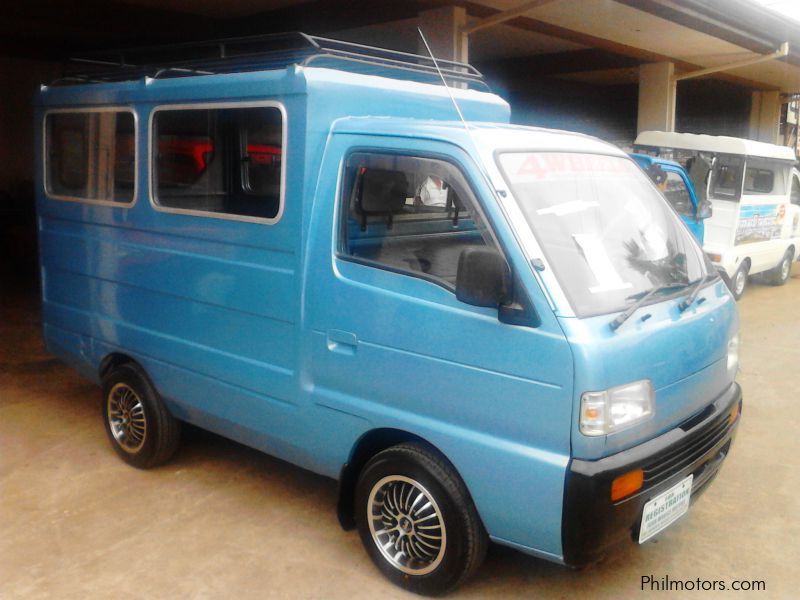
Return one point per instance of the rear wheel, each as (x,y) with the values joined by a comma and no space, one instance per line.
(417,521)
(738,282)
(781,273)
(140,428)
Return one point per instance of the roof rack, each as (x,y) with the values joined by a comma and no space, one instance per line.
(262,52)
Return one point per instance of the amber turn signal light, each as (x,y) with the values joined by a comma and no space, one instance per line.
(734,414)
(625,485)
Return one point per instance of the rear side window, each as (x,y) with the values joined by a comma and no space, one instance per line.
(409,214)
(223,161)
(765,177)
(91,155)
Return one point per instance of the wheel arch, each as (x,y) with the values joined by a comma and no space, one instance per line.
(367,446)
(746,261)
(114,360)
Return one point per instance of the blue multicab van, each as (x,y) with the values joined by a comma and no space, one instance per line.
(482,331)
(679,190)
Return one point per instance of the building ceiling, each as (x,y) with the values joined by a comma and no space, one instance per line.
(693,44)
(555,37)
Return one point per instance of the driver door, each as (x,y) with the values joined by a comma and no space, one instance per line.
(391,345)
(680,194)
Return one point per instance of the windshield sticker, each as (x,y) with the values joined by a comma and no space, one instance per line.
(656,243)
(759,223)
(655,240)
(599,263)
(567,208)
(539,166)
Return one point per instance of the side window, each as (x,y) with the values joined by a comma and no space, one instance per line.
(226,161)
(765,177)
(674,188)
(795,190)
(90,155)
(726,178)
(409,214)
(758,181)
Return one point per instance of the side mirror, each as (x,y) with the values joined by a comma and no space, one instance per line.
(483,278)
(704,211)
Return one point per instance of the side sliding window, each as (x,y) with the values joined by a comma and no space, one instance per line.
(90,155)
(219,161)
(409,214)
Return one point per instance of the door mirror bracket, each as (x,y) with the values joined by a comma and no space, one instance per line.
(704,211)
(483,278)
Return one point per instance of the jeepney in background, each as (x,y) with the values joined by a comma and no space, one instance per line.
(676,185)
(755,194)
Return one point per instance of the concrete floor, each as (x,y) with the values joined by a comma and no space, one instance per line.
(222,520)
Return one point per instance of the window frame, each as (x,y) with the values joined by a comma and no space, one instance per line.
(794,199)
(151,158)
(738,192)
(342,214)
(692,201)
(46,155)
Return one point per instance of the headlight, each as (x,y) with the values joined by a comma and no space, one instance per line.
(617,408)
(733,356)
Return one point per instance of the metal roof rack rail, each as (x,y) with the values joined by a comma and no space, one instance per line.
(262,52)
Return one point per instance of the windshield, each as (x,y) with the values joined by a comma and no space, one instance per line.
(604,228)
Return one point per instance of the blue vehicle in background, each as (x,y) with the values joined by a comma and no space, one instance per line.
(676,185)
(482,331)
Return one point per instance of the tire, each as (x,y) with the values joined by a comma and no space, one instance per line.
(738,282)
(407,485)
(140,428)
(781,273)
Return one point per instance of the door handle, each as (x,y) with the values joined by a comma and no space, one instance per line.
(342,342)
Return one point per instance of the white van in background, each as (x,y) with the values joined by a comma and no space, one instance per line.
(755,193)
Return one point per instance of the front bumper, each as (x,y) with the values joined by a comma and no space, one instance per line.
(593,524)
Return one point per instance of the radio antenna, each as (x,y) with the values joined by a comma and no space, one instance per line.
(458,109)
(444,82)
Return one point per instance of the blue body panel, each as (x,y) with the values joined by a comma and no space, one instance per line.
(684,354)
(260,332)
(694,224)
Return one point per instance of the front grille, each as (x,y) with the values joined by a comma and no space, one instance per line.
(677,459)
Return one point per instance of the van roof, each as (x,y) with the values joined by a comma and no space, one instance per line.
(320,95)
(716,144)
(487,136)
(262,53)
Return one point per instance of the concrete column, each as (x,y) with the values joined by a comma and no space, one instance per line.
(765,117)
(442,29)
(656,97)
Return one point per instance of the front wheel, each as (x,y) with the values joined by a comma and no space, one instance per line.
(738,282)
(417,521)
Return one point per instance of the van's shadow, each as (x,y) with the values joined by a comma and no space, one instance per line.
(505,570)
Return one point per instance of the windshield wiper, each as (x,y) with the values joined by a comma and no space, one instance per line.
(622,317)
(689,300)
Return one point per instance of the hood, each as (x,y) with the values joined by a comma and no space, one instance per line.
(683,354)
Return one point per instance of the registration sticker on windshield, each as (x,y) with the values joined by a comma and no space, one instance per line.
(599,262)
(567,208)
(666,508)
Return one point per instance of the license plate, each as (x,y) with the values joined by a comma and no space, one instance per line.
(666,508)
